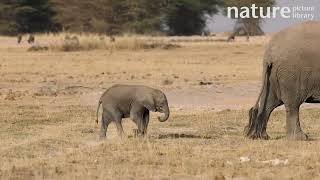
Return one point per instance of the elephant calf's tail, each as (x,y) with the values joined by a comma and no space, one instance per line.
(100,102)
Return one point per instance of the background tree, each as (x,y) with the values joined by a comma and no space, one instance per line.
(33,16)
(111,16)
(145,16)
(80,16)
(253,25)
(188,17)
(7,18)
(179,17)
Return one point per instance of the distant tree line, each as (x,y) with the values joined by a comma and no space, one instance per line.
(252,25)
(174,17)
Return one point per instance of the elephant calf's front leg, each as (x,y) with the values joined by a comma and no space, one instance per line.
(141,125)
(137,115)
(146,116)
(119,127)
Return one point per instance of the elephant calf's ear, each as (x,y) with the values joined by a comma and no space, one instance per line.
(148,102)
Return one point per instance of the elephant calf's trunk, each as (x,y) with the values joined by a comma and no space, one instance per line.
(165,117)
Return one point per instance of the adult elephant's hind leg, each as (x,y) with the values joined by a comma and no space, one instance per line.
(258,128)
(294,131)
(272,103)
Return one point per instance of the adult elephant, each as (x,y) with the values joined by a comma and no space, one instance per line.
(291,76)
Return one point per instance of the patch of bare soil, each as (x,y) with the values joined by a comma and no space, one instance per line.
(218,97)
(239,95)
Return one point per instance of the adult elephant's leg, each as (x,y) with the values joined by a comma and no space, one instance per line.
(268,102)
(272,103)
(293,127)
(260,130)
(291,81)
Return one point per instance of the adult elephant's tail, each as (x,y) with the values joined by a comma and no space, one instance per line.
(254,128)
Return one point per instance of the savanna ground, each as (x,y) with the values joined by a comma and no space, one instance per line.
(48,108)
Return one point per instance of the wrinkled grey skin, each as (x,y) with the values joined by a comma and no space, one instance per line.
(291,76)
(134,101)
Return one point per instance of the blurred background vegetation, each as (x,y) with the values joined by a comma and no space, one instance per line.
(172,17)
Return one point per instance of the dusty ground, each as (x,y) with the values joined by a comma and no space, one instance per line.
(48,103)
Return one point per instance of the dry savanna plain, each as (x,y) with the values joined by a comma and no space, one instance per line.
(49,94)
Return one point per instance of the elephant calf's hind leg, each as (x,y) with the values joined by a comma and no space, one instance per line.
(104,126)
(116,115)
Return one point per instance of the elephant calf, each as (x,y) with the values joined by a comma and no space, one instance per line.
(134,101)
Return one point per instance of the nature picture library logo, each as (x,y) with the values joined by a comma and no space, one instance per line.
(293,12)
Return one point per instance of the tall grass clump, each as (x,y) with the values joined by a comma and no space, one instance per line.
(67,42)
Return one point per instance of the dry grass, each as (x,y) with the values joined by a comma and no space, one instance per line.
(87,42)
(48,102)
(192,145)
